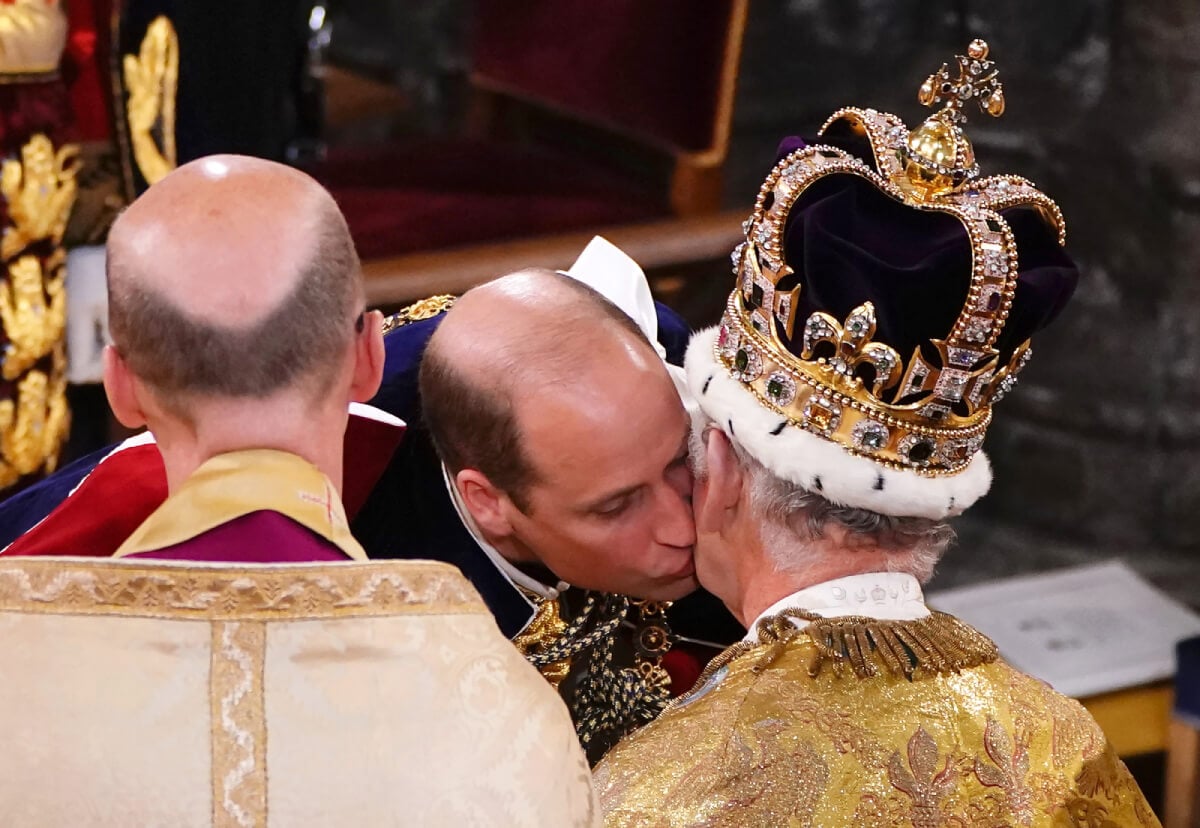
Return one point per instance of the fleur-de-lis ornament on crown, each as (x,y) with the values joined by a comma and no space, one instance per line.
(852,347)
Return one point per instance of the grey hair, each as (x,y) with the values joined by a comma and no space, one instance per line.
(792,519)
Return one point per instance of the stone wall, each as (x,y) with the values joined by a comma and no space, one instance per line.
(1096,453)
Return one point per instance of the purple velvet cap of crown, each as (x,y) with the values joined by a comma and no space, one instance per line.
(848,242)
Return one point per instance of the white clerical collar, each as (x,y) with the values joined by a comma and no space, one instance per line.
(514,575)
(888,596)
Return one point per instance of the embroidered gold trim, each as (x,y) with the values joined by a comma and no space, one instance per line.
(937,644)
(544,631)
(81,586)
(238,725)
(419,311)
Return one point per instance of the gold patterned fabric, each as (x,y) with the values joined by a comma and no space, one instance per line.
(795,732)
(377,693)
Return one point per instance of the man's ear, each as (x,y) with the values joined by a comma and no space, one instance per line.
(368,358)
(120,388)
(485,502)
(720,493)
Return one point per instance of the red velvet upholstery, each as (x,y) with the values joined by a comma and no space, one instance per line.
(86,68)
(649,71)
(399,199)
(27,109)
(651,68)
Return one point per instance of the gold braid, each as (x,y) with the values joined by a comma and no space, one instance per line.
(610,701)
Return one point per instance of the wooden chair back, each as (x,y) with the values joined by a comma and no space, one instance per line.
(1182,806)
(658,78)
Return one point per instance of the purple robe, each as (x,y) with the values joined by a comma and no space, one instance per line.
(259,537)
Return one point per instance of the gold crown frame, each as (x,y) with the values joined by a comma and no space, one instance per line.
(935,419)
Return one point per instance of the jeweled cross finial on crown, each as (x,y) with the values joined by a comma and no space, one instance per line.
(938,158)
(977,80)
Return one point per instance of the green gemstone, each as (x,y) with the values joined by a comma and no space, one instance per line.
(756,296)
(775,388)
(742,359)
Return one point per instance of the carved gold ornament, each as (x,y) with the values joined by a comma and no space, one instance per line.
(34,426)
(33,311)
(39,190)
(152,78)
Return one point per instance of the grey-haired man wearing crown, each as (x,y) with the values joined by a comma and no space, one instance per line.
(880,312)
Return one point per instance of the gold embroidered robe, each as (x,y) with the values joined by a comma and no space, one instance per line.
(765,743)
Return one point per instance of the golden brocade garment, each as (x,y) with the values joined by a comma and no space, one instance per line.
(859,722)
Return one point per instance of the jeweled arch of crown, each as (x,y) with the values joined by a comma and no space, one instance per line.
(921,415)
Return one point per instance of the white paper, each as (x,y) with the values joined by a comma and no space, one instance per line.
(1084,630)
(87,314)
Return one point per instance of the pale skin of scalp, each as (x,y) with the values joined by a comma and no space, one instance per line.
(225,238)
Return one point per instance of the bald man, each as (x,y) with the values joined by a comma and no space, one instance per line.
(530,435)
(349,692)
(239,339)
(564,488)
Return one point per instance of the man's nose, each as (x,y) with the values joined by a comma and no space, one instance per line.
(675,524)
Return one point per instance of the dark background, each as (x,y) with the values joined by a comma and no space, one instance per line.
(1095,454)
